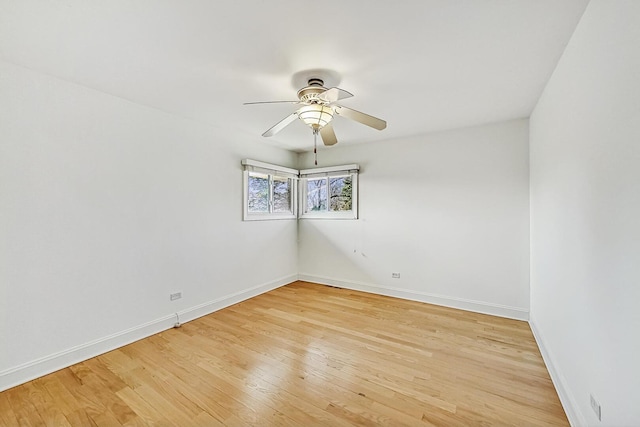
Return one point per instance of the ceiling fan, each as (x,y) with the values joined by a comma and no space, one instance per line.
(318,110)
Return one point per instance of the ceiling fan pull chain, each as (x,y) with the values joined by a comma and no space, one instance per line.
(315,146)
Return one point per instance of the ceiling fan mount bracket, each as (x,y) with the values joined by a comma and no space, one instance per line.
(328,78)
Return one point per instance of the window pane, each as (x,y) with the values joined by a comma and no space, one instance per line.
(281,194)
(258,192)
(317,195)
(341,191)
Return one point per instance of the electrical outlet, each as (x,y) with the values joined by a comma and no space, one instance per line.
(395,275)
(173,297)
(595,405)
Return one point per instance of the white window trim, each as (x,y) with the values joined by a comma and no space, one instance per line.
(271,170)
(310,173)
(256,166)
(330,172)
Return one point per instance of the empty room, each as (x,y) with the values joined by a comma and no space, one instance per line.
(344,213)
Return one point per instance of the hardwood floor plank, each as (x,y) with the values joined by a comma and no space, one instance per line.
(23,409)
(79,417)
(44,403)
(306,354)
(61,398)
(145,411)
(110,406)
(7,417)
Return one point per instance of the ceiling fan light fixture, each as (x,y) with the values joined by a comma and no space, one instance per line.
(315,115)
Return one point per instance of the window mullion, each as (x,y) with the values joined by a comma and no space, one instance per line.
(270,193)
(328,191)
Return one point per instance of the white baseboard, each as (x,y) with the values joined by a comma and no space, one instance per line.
(575,416)
(460,303)
(45,365)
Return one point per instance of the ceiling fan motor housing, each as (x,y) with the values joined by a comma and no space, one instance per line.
(309,94)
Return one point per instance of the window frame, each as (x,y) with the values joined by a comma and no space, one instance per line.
(271,171)
(328,173)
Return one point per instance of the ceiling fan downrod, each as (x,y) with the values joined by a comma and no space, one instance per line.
(315,82)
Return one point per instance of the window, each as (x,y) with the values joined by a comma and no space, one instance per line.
(329,192)
(269,191)
(258,193)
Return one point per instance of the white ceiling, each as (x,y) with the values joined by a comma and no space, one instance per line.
(423,65)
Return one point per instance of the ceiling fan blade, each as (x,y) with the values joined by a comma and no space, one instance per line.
(281,125)
(271,102)
(363,118)
(334,94)
(328,135)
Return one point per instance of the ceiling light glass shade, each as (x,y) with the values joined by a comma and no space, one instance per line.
(315,115)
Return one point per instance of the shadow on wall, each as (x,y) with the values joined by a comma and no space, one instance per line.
(331,249)
(357,253)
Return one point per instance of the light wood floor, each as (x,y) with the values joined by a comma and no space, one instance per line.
(306,355)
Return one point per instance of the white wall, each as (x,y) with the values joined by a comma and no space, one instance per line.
(449,211)
(106,207)
(585,217)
